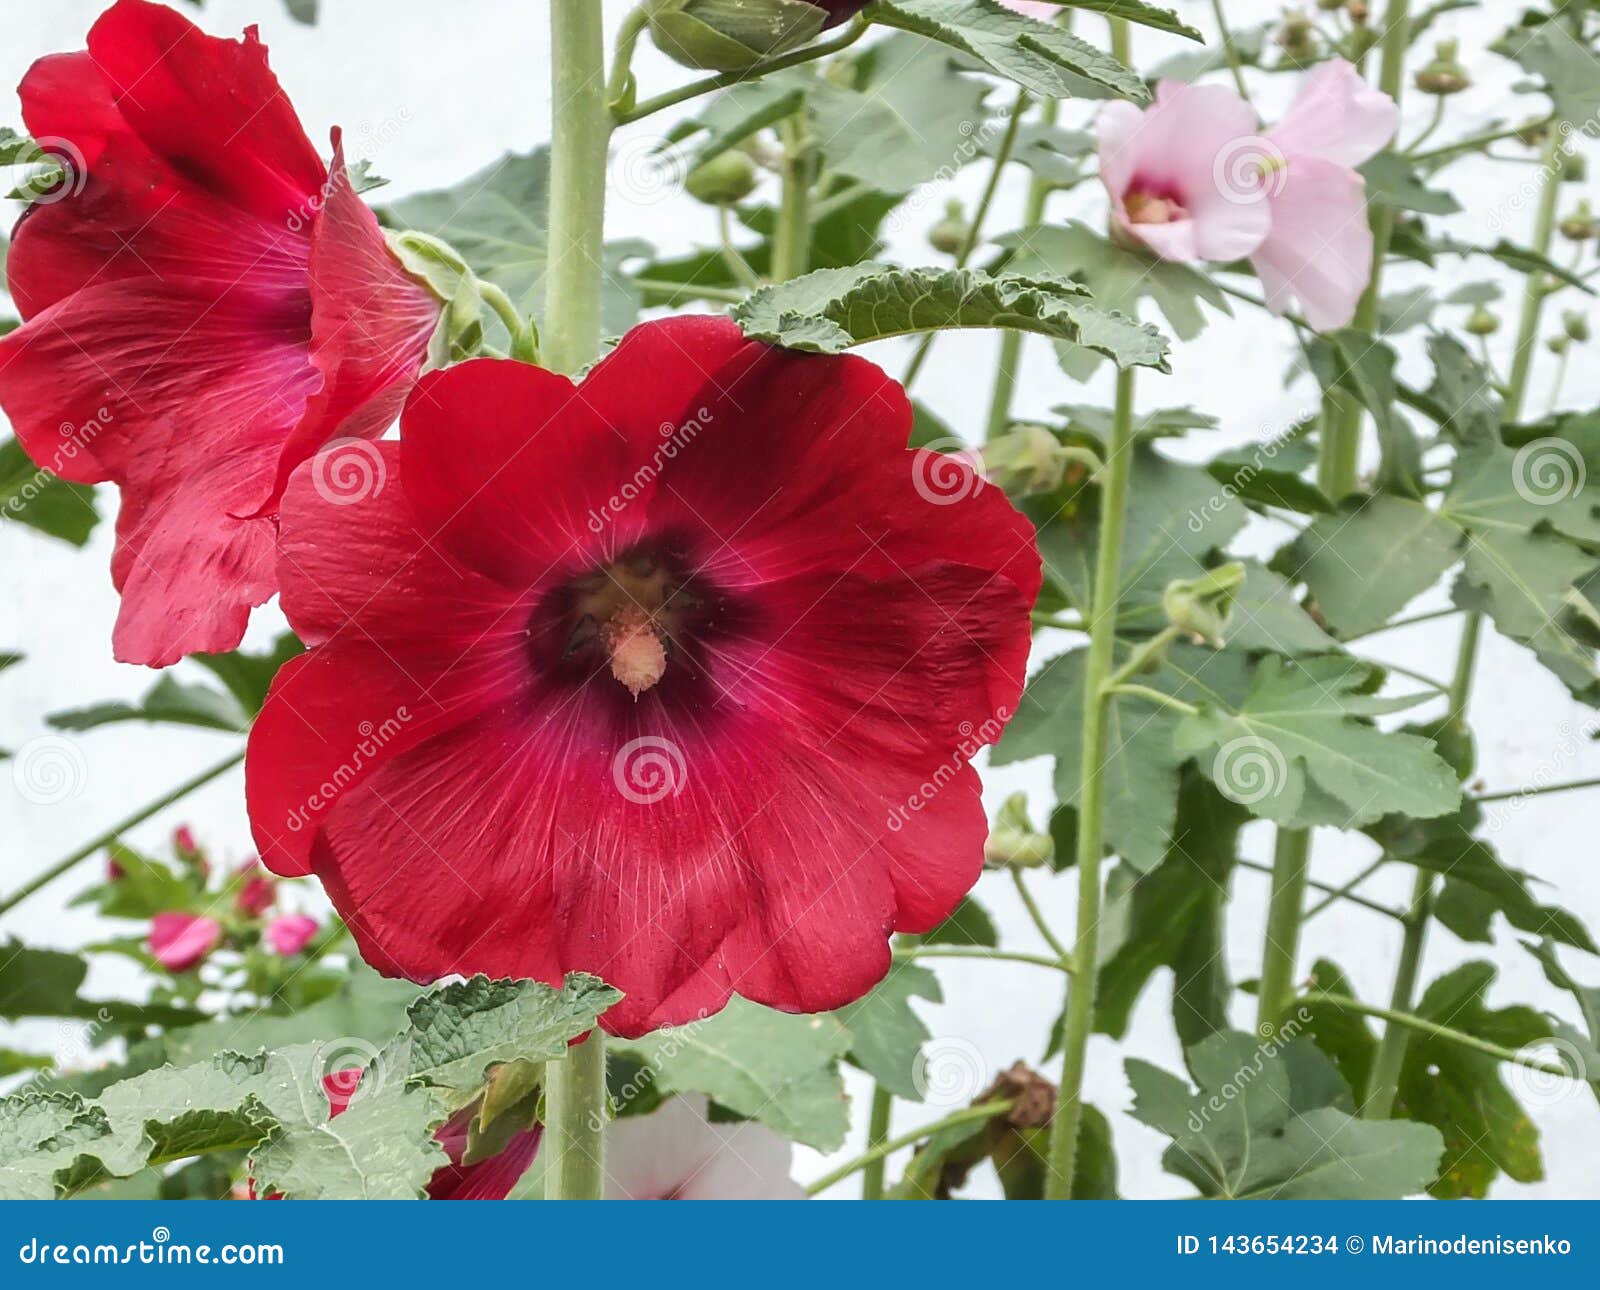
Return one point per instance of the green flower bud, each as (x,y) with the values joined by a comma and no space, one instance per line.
(1480,322)
(1574,168)
(1533,133)
(732,35)
(1579,225)
(1013,842)
(1444,74)
(1576,325)
(1201,606)
(727,178)
(1556,344)
(949,235)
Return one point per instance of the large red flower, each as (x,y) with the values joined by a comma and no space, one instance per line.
(206,306)
(671,676)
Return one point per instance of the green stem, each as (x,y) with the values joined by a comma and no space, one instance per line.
(1291,869)
(1060,623)
(1537,789)
(791,243)
(619,84)
(1391,1053)
(1375,906)
(1411,621)
(966,1115)
(579,137)
(1079,1019)
(524,343)
(1041,923)
(94,844)
(1346,890)
(1533,290)
(1230,50)
(676,293)
(983,953)
(1433,124)
(1141,656)
(723,80)
(1410,1021)
(872,1173)
(1002,155)
(1474,141)
(575,1120)
(737,264)
(1159,698)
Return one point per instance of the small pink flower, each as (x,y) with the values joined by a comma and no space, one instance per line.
(259,891)
(188,850)
(1032,9)
(290,933)
(181,941)
(1193,178)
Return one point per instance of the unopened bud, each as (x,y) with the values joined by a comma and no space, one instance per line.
(1481,322)
(950,234)
(1026,460)
(727,178)
(1574,168)
(1444,74)
(1580,225)
(1013,842)
(1557,344)
(1202,606)
(1576,325)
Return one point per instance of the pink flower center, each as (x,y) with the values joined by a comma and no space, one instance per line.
(632,615)
(1152,208)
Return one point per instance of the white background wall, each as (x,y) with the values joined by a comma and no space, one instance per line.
(430,91)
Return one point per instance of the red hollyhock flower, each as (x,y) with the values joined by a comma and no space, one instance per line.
(206,306)
(671,676)
(839,10)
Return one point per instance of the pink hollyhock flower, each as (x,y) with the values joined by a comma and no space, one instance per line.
(290,933)
(671,676)
(676,1153)
(1033,9)
(1192,178)
(180,941)
(1319,248)
(206,306)
(258,892)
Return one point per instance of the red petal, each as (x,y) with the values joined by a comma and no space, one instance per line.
(182,399)
(371,324)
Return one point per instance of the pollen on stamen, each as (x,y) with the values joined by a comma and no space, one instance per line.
(638,659)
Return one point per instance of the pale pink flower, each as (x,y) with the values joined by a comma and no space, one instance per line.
(1319,248)
(1192,177)
(676,1153)
(180,941)
(289,933)
(1032,9)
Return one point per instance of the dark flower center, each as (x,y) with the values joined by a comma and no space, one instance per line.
(634,616)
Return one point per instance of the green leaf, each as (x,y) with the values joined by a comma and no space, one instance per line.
(43,1137)
(1392,181)
(770,1066)
(1136,11)
(1272,474)
(832,309)
(1273,1123)
(456,1033)
(886,1035)
(731,117)
(496,219)
(1118,279)
(1582,1051)
(1564,63)
(1461,1092)
(1362,367)
(1295,752)
(969,925)
(1469,411)
(1371,558)
(167,702)
(1161,918)
(1267,617)
(46,983)
(33,496)
(248,676)
(1038,56)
